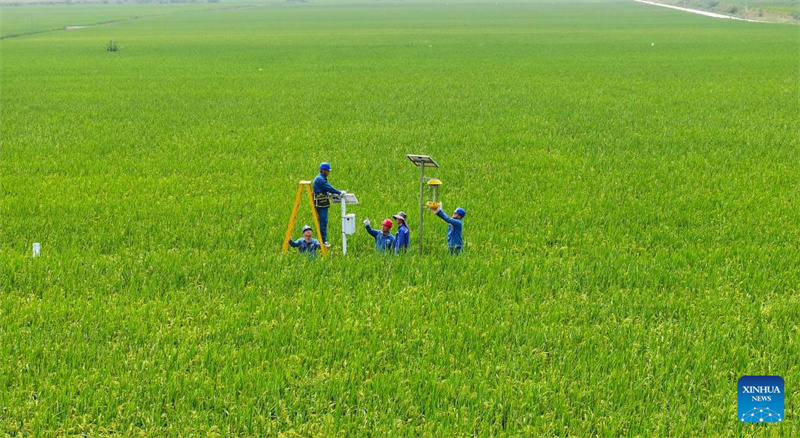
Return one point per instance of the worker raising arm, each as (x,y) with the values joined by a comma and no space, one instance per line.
(455,226)
(383,239)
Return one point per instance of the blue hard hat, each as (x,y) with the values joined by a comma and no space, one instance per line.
(460,211)
(306,227)
(325,166)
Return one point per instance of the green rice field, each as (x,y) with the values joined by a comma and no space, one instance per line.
(631,176)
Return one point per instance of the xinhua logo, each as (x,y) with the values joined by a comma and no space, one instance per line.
(761,399)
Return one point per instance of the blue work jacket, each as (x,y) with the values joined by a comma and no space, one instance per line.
(321,185)
(454,229)
(303,246)
(382,242)
(401,240)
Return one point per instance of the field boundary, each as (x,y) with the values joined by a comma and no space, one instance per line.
(704,12)
(120,20)
(699,11)
(75,27)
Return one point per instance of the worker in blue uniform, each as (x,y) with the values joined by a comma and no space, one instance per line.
(383,238)
(322,199)
(306,244)
(403,236)
(455,241)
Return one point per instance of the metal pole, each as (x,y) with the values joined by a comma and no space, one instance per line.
(421,202)
(344,213)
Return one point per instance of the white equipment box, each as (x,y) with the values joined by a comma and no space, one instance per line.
(349,223)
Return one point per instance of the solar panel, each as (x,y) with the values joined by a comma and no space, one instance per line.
(422,160)
(349,199)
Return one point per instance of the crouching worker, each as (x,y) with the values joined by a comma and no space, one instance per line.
(383,239)
(401,239)
(306,244)
(454,228)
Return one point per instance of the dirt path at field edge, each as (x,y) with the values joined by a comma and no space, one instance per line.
(699,12)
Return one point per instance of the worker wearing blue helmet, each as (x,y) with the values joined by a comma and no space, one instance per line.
(455,226)
(306,244)
(322,199)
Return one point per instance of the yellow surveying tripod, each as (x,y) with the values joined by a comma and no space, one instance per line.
(307,185)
